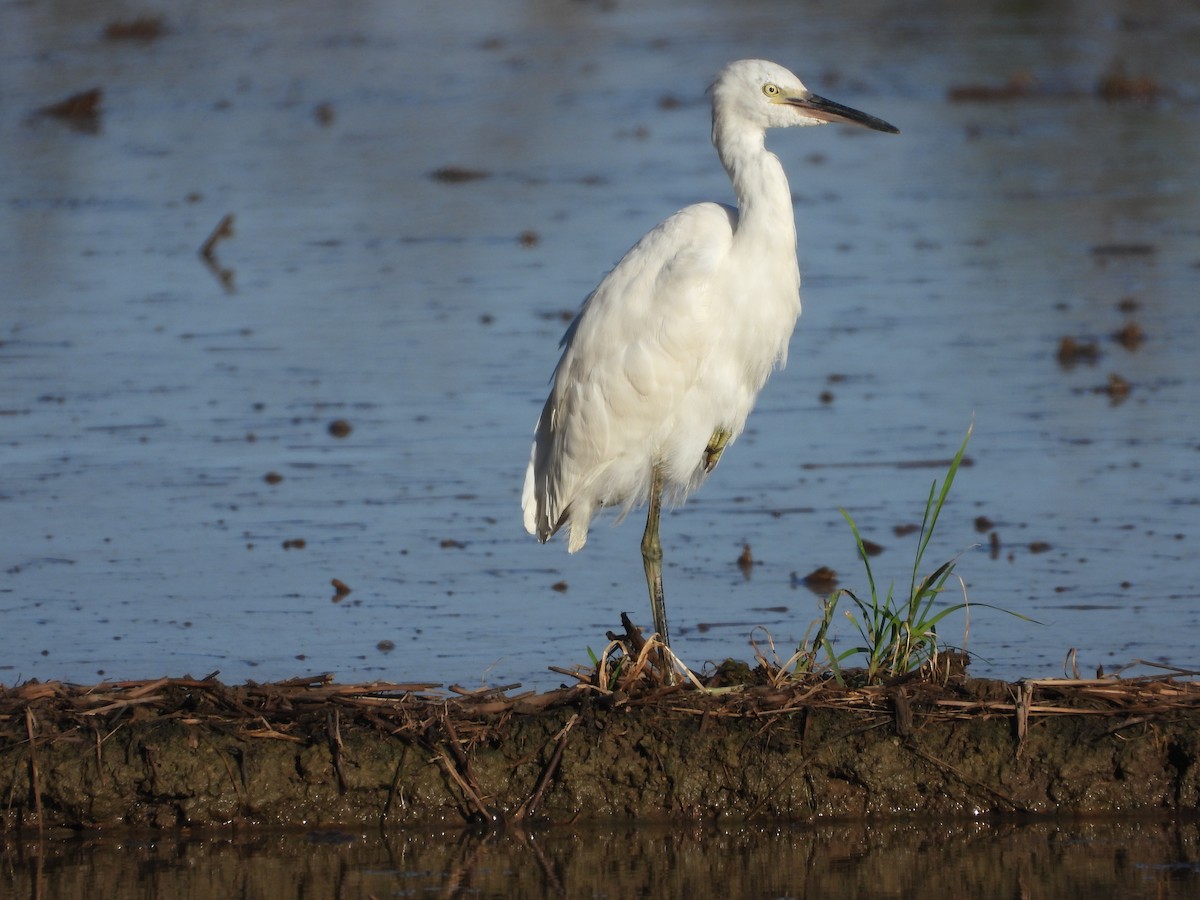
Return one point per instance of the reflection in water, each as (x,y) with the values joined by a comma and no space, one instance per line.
(1094,859)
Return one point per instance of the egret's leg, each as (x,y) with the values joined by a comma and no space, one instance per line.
(652,557)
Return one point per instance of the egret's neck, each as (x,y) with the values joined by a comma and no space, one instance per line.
(764,198)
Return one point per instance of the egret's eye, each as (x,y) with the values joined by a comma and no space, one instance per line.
(771,90)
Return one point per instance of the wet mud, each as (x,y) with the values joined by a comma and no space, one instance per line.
(190,753)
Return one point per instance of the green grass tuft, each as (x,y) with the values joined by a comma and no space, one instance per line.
(898,634)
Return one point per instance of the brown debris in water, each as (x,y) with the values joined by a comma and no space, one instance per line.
(1116,387)
(1018,86)
(81,111)
(821,579)
(871,548)
(143,28)
(1116,86)
(1129,336)
(457,174)
(324,114)
(1072,351)
(222,231)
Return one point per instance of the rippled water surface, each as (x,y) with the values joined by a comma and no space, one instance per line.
(173,497)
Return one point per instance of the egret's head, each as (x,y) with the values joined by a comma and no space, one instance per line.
(765,95)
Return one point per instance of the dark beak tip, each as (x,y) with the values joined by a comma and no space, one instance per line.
(836,112)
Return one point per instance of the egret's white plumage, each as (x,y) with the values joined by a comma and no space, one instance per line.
(663,363)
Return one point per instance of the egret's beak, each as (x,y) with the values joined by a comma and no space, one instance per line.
(828,111)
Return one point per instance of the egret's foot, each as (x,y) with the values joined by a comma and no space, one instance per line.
(716,446)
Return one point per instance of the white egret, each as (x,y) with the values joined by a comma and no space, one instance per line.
(662,364)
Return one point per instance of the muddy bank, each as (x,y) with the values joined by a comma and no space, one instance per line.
(195,753)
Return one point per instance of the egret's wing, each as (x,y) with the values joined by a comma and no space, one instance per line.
(638,343)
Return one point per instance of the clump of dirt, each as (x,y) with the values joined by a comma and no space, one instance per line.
(1115,86)
(81,111)
(143,28)
(195,752)
(1018,87)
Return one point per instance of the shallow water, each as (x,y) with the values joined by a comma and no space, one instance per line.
(143,404)
(1103,859)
